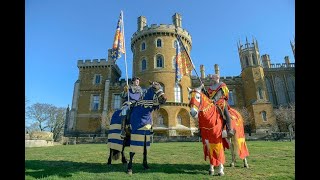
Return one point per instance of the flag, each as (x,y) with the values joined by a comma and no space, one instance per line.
(118,43)
(183,64)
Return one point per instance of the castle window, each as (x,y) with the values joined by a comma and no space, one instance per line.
(174,62)
(160,119)
(175,43)
(143,64)
(179,119)
(230,100)
(143,46)
(260,93)
(159,43)
(97,79)
(159,61)
(116,101)
(247,61)
(177,93)
(95,102)
(264,116)
(254,59)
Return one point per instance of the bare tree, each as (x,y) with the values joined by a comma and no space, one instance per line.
(46,117)
(40,113)
(247,118)
(285,117)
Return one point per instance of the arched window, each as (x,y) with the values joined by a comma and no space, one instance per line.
(264,115)
(247,61)
(143,64)
(143,46)
(254,60)
(159,43)
(175,44)
(160,119)
(260,93)
(230,100)
(291,86)
(174,62)
(159,61)
(269,90)
(179,119)
(177,93)
(280,91)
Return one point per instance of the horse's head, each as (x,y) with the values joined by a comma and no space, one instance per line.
(157,89)
(198,101)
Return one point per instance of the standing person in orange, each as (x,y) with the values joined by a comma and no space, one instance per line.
(218,92)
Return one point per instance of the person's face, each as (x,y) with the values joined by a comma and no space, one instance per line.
(136,82)
(215,79)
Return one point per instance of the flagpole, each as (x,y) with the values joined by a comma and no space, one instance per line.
(178,36)
(125,54)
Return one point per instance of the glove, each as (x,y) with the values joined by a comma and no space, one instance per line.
(125,88)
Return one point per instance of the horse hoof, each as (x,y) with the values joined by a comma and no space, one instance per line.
(211,173)
(231,164)
(146,167)
(221,174)
(246,165)
(129,171)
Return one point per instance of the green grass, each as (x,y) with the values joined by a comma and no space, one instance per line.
(178,160)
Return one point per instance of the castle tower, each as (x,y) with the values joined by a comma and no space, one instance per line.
(254,86)
(142,22)
(202,71)
(91,96)
(249,54)
(216,69)
(287,60)
(266,61)
(154,51)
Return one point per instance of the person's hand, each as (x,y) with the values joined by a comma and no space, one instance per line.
(125,88)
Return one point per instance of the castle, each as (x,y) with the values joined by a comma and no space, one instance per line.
(260,87)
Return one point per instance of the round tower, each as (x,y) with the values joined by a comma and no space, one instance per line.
(154,52)
(249,54)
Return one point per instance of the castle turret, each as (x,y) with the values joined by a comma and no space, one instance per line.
(216,69)
(265,61)
(142,22)
(177,20)
(287,60)
(249,54)
(202,71)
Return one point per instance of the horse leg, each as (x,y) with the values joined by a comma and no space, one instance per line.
(129,169)
(109,159)
(233,155)
(211,170)
(245,162)
(145,163)
(123,159)
(220,170)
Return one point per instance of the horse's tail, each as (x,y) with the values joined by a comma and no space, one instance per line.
(115,154)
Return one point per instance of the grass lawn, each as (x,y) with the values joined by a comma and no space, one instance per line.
(174,160)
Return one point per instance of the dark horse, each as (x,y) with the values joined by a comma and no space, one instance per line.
(138,135)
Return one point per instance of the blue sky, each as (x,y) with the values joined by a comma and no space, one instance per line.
(58,33)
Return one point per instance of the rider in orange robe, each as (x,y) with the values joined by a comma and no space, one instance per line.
(218,92)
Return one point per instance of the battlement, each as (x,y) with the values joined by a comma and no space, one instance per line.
(281,65)
(166,29)
(97,63)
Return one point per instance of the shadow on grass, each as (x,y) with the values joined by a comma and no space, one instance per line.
(39,169)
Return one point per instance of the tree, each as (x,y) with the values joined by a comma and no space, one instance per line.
(46,117)
(247,118)
(285,117)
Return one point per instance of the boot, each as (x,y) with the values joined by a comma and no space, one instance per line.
(230,132)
